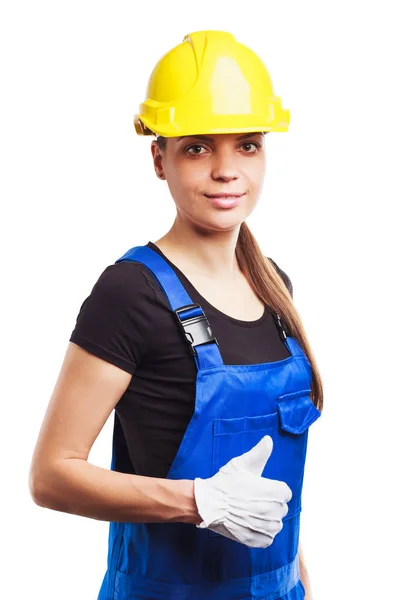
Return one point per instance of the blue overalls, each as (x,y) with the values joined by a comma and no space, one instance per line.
(235,406)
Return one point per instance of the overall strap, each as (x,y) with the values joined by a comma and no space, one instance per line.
(190,316)
(295,347)
(291,343)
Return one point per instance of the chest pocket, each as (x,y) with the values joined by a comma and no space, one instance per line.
(288,427)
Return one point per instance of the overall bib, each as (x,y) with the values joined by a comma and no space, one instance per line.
(235,406)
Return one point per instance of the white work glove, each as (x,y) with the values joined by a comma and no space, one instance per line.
(239,504)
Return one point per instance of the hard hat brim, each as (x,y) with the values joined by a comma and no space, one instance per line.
(144,126)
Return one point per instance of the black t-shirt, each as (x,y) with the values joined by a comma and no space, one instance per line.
(127,321)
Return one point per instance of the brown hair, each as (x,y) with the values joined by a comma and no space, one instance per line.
(269,286)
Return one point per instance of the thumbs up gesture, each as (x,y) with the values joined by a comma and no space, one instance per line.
(240,504)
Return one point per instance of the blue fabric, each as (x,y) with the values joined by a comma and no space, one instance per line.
(235,406)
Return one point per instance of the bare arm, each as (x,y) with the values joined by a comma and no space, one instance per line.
(61,478)
(305,579)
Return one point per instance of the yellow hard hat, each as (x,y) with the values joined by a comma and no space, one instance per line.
(210,83)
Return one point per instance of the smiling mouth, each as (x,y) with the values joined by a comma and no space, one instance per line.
(224,201)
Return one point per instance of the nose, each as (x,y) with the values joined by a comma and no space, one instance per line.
(223,167)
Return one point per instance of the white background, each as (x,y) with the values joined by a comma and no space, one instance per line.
(78,189)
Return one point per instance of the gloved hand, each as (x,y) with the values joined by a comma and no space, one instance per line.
(239,504)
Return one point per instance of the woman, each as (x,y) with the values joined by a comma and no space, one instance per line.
(195,342)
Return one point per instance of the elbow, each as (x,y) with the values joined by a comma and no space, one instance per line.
(42,483)
(50,485)
(35,488)
(38,487)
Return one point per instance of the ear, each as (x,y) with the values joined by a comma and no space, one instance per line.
(157,159)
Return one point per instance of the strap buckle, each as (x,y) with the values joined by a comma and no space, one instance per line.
(197,328)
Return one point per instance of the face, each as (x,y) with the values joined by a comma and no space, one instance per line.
(198,168)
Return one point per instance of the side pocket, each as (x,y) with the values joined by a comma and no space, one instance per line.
(115,538)
(119,548)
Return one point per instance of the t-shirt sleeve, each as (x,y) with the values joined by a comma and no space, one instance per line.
(284,277)
(113,322)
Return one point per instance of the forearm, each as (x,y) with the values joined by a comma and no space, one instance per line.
(78,487)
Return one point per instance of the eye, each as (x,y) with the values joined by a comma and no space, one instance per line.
(252,144)
(193,153)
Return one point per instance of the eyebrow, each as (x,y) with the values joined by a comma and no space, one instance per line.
(207,138)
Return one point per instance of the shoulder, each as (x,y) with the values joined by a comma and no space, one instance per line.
(115,320)
(284,276)
(121,299)
(123,282)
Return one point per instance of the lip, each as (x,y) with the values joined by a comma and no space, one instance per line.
(224,200)
(224,195)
